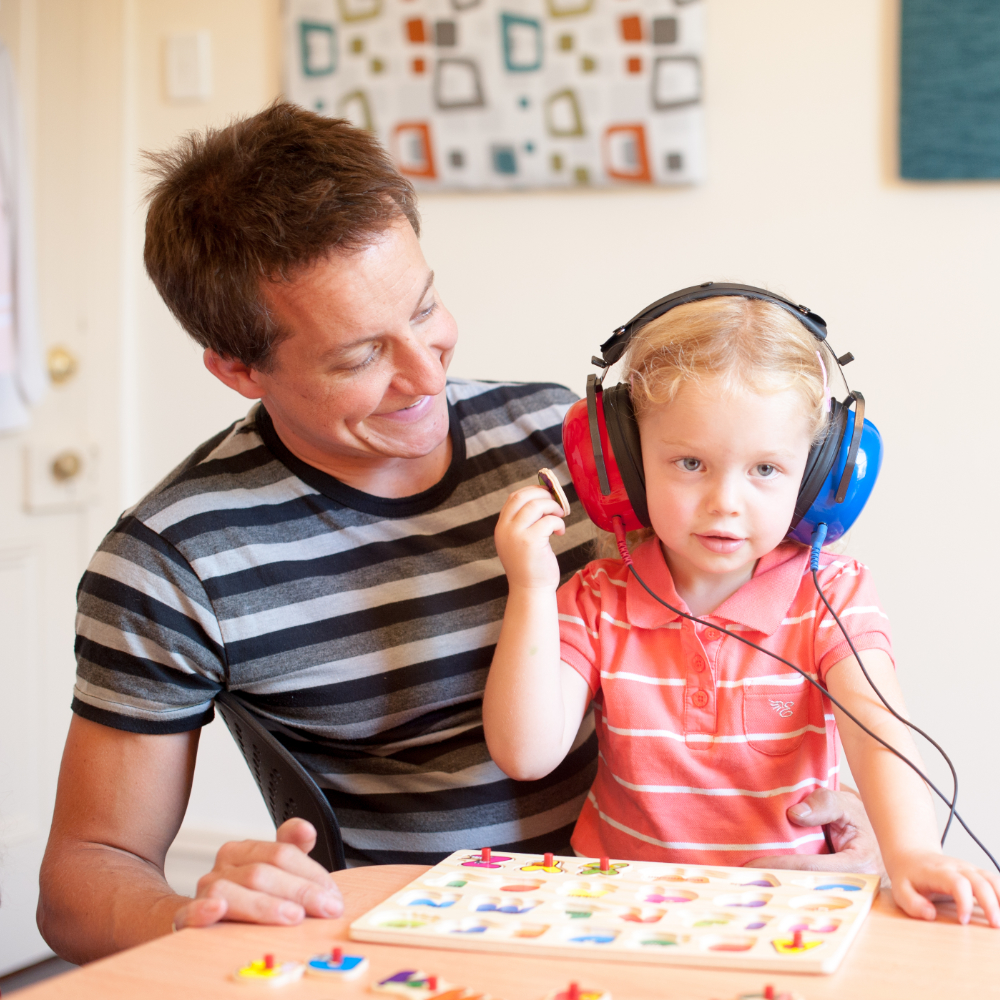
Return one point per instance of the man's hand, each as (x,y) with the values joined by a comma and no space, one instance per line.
(850,831)
(120,802)
(263,882)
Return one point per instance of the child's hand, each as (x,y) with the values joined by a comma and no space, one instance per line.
(917,875)
(526,521)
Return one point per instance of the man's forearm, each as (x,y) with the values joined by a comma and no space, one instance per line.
(96,900)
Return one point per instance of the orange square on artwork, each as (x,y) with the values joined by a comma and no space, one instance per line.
(635,65)
(415,30)
(632,28)
(419,65)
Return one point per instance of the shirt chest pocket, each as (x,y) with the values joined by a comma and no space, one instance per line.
(775,719)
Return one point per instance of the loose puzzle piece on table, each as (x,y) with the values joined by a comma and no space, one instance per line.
(574,992)
(769,993)
(336,965)
(626,911)
(266,972)
(419,985)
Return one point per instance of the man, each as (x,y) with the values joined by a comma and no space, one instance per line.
(329,558)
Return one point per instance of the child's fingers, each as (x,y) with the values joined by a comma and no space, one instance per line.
(533,511)
(949,881)
(520,503)
(911,901)
(546,526)
(961,892)
(986,889)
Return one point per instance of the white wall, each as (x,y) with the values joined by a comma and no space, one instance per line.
(176,404)
(800,197)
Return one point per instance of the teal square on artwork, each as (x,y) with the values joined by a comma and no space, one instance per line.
(504,160)
(949,113)
(318,46)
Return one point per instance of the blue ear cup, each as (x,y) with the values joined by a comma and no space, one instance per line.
(825,509)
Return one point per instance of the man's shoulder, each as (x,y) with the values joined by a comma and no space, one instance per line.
(481,405)
(234,468)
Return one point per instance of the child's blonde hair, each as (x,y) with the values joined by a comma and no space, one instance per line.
(734,342)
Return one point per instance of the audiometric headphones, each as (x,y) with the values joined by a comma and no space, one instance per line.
(604,453)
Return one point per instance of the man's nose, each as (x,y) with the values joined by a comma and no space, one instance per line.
(419,370)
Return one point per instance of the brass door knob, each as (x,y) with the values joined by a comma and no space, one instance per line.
(62,364)
(66,465)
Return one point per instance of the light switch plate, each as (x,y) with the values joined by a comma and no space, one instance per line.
(188,66)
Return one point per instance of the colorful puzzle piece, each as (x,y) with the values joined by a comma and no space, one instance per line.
(788,946)
(604,867)
(336,965)
(548,863)
(411,983)
(770,993)
(575,992)
(486,859)
(418,985)
(266,972)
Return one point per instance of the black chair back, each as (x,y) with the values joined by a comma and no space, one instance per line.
(287,788)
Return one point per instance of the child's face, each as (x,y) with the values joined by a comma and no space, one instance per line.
(722,474)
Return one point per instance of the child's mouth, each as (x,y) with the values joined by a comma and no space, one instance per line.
(722,544)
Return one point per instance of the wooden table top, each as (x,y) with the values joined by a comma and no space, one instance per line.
(893,957)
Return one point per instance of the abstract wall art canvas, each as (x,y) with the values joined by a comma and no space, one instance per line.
(501,94)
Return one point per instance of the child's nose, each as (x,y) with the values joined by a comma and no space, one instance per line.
(723,497)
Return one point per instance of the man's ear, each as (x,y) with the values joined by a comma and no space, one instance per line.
(234,373)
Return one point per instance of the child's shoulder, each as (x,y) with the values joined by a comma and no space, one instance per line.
(599,574)
(842,578)
(839,565)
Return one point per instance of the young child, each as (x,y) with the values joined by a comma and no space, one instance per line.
(704,741)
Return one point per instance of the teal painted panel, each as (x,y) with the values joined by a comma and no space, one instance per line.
(949,122)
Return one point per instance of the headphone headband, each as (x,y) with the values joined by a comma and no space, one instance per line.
(614,347)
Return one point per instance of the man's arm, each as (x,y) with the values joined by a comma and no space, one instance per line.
(120,802)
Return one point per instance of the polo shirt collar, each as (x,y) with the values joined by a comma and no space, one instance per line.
(759,605)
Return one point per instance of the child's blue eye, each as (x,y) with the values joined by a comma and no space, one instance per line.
(766,471)
(690,464)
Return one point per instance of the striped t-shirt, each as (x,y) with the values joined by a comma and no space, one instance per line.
(704,741)
(360,629)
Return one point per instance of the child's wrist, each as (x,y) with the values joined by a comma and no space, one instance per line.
(897,858)
(530,589)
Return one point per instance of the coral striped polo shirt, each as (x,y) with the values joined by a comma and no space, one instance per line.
(705,742)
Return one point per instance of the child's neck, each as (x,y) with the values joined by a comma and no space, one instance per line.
(704,592)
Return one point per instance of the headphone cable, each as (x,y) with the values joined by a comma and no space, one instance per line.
(814,558)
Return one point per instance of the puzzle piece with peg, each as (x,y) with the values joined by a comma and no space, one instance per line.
(419,985)
(267,972)
(626,911)
(336,965)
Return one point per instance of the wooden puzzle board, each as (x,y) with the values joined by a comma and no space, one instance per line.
(734,918)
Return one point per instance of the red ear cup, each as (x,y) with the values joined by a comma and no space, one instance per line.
(577,442)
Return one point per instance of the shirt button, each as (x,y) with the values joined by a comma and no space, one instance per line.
(699,699)
(698,663)
(712,634)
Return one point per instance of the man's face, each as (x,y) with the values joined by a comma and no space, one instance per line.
(361,374)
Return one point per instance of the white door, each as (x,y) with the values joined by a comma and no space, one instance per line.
(54,501)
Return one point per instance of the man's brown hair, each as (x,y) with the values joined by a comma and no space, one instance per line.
(258,201)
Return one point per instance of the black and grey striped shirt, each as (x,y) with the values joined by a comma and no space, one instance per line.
(359,628)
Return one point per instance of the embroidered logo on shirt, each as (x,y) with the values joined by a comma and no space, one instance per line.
(783,708)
